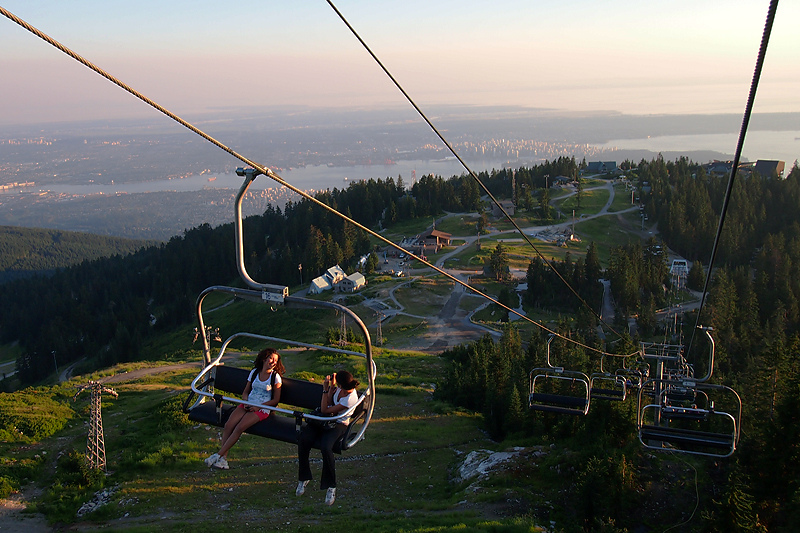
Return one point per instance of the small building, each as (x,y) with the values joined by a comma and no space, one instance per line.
(318,285)
(439,238)
(508,205)
(335,274)
(770,169)
(719,168)
(600,167)
(352,283)
(680,267)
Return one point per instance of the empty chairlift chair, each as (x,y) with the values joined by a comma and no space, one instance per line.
(556,390)
(604,385)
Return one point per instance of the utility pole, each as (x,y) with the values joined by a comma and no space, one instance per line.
(95,444)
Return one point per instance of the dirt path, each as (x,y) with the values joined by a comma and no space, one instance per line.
(13,519)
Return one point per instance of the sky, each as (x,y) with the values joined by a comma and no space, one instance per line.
(196,56)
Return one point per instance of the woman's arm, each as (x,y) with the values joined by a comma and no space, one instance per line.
(245,394)
(247,389)
(328,407)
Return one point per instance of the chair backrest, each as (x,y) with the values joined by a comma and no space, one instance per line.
(299,393)
(230,379)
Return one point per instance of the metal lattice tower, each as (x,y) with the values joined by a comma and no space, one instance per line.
(95,444)
(343,331)
(380,331)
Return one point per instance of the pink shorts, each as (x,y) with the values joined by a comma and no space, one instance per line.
(263,414)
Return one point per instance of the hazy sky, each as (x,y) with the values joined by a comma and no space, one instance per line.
(190,56)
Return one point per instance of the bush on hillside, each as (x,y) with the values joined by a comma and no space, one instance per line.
(31,415)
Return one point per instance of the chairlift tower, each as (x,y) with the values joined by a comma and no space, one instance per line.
(95,443)
(343,331)
(379,340)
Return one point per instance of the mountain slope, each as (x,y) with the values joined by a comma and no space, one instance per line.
(27,251)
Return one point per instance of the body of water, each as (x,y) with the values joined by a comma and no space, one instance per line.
(310,177)
(771,145)
(780,145)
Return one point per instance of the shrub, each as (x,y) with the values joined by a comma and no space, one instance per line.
(6,488)
(31,415)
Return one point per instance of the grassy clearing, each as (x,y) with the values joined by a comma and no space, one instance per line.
(520,252)
(591,203)
(403,469)
(607,232)
(9,352)
(407,228)
(622,199)
(461,225)
(400,328)
(424,296)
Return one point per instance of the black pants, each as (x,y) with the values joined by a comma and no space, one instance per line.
(328,437)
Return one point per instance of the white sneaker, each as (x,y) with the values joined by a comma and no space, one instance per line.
(221,463)
(330,496)
(301,488)
(211,459)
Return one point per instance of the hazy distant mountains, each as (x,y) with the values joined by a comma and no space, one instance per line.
(129,151)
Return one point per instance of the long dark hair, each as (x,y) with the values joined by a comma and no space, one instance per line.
(262,357)
(345,380)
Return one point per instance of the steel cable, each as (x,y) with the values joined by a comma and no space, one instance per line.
(762,52)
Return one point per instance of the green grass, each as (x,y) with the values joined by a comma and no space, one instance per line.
(591,203)
(9,352)
(461,225)
(157,475)
(407,228)
(607,232)
(400,328)
(622,199)
(425,296)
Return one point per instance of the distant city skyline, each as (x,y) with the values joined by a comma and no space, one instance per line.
(196,57)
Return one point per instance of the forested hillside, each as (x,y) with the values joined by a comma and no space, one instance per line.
(28,251)
(753,309)
(103,309)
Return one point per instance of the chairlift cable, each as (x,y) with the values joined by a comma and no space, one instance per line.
(762,52)
(262,169)
(469,170)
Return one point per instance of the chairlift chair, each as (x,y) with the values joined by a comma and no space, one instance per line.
(556,390)
(604,385)
(216,390)
(683,413)
(207,402)
(634,375)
